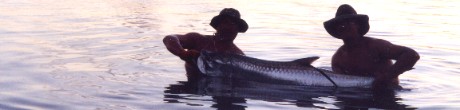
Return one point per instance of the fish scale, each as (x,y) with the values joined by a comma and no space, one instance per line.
(297,72)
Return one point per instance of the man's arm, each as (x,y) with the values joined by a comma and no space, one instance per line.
(405,58)
(336,67)
(181,45)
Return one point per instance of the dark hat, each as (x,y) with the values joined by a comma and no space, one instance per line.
(230,13)
(346,12)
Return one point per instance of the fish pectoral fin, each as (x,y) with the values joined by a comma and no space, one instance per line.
(306,61)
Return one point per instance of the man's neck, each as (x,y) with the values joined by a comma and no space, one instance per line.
(218,39)
(354,42)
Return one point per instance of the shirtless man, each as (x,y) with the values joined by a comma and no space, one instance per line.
(187,47)
(365,56)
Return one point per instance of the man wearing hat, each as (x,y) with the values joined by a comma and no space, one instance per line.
(187,47)
(364,56)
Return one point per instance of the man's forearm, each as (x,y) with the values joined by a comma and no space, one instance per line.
(404,63)
(173,45)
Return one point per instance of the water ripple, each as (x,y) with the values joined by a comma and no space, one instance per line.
(108,54)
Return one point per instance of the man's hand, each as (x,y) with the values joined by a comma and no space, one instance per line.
(189,55)
(381,82)
(386,79)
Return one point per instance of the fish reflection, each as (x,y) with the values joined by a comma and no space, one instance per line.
(199,87)
(232,94)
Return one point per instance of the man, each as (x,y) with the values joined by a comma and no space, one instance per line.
(365,56)
(227,24)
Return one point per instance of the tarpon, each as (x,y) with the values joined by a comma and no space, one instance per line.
(296,72)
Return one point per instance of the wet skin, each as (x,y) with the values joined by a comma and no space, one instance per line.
(188,46)
(365,56)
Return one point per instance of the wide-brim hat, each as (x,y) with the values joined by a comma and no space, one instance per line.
(230,13)
(346,12)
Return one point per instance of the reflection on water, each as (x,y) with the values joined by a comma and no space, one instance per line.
(232,93)
(108,54)
(200,87)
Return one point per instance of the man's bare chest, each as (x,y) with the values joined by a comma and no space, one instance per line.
(359,57)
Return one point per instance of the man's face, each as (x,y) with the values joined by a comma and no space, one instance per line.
(228,28)
(347,29)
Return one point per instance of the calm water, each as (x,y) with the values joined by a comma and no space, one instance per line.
(108,54)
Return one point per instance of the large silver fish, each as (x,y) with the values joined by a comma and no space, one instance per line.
(297,72)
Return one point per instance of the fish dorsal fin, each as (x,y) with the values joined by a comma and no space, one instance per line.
(306,61)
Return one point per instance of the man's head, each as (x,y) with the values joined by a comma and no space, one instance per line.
(347,23)
(347,29)
(229,16)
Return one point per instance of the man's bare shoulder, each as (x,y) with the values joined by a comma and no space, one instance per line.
(387,48)
(378,43)
(193,34)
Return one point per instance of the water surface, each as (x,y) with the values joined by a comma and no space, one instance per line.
(108,54)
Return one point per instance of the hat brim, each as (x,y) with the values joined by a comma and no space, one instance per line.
(362,20)
(242,25)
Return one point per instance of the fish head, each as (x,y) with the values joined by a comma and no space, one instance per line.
(210,62)
(215,58)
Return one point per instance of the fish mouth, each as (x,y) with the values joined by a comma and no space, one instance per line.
(200,64)
(204,62)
